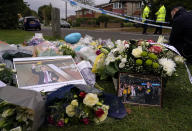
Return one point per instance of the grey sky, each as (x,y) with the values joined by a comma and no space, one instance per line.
(35,4)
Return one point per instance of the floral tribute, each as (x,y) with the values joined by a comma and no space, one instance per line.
(6,74)
(15,118)
(77,107)
(135,57)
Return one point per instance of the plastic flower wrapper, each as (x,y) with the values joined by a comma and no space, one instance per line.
(22,109)
(85,69)
(86,40)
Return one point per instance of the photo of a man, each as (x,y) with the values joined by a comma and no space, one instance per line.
(45,76)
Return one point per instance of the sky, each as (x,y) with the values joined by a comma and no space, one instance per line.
(35,4)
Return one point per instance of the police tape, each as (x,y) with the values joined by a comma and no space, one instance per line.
(176,51)
(102,11)
(133,17)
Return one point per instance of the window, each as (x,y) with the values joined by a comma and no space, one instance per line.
(138,5)
(90,12)
(117,5)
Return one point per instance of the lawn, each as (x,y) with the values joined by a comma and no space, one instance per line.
(176,114)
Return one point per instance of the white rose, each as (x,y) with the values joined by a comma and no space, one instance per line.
(124,60)
(121,65)
(90,99)
(74,103)
(137,52)
(179,59)
(70,111)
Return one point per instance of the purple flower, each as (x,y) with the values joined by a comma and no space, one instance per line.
(98,52)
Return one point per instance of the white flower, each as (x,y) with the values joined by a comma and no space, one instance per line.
(179,59)
(74,103)
(120,47)
(90,99)
(137,52)
(70,110)
(110,44)
(124,60)
(168,65)
(126,45)
(118,42)
(110,58)
(121,65)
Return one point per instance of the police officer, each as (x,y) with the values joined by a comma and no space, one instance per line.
(161,13)
(145,16)
(181,34)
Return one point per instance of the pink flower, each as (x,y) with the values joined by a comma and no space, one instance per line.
(50,120)
(99,112)
(98,52)
(155,49)
(150,41)
(60,123)
(85,121)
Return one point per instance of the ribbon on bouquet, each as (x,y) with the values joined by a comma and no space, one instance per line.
(176,51)
(102,11)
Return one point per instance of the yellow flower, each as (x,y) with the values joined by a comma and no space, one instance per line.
(90,99)
(137,52)
(95,66)
(93,43)
(75,96)
(74,103)
(70,111)
(100,46)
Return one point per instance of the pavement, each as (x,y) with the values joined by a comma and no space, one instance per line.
(113,34)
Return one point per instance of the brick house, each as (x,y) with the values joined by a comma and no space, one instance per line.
(85,13)
(127,7)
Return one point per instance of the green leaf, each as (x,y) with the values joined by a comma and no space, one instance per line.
(111,70)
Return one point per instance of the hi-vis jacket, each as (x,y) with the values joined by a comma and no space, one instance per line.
(145,13)
(161,13)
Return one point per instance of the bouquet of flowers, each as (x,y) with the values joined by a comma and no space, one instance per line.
(77,107)
(136,57)
(14,117)
(66,50)
(6,74)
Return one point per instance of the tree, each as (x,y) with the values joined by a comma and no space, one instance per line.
(44,13)
(9,10)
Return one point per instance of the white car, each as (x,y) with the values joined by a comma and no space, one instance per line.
(64,24)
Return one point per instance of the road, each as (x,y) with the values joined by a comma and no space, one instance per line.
(104,34)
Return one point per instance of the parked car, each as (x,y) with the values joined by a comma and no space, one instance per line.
(29,22)
(64,24)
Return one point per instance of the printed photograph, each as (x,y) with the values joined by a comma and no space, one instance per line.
(140,89)
(38,72)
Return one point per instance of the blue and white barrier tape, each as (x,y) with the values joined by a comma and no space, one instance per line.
(133,17)
(110,14)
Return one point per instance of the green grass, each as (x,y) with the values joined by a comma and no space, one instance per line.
(15,36)
(176,114)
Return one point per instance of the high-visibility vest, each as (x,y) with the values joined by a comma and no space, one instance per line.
(145,13)
(161,13)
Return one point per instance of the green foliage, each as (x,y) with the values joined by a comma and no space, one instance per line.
(44,13)
(8,13)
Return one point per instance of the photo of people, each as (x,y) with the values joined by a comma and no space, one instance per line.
(139,89)
(41,72)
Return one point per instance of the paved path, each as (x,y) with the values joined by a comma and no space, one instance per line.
(104,34)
